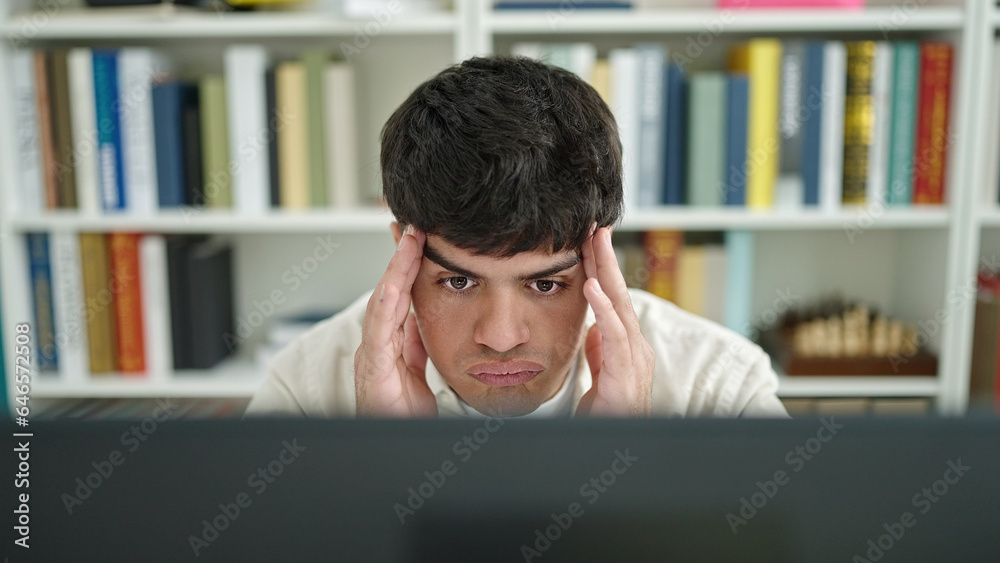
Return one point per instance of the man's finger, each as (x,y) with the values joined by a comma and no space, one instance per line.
(589,263)
(613,282)
(397,269)
(414,352)
(616,348)
(414,245)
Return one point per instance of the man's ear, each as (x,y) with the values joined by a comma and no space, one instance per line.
(396,233)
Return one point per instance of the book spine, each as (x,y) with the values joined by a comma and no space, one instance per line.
(109,149)
(69,309)
(194,193)
(245,69)
(600,79)
(675,167)
(691,279)
(662,250)
(137,70)
(84,120)
(341,135)
(43,89)
(739,281)
(812,123)
(652,123)
(878,157)
(128,301)
(62,133)
(831,166)
(706,139)
(793,60)
(735,177)
(905,81)
(624,78)
(40,267)
(858,120)
(156,307)
(216,178)
(293,158)
(315,62)
(275,124)
(169,148)
(29,196)
(102,338)
(932,139)
(762,62)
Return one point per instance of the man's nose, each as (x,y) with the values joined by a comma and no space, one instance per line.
(501,324)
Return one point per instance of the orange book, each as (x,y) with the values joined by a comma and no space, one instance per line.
(932,141)
(662,251)
(46,130)
(126,286)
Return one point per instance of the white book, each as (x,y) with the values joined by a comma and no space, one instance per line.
(991,194)
(341,135)
(625,107)
(878,153)
(29,196)
(246,104)
(532,50)
(83,112)
(138,69)
(155,287)
(69,307)
(831,153)
(652,122)
(582,58)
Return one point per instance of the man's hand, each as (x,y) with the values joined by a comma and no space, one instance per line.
(389,365)
(621,360)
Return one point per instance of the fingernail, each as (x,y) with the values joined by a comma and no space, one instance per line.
(402,239)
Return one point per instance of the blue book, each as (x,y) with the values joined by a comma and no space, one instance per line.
(812,121)
(675,160)
(738,103)
(739,281)
(110,168)
(652,122)
(44,330)
(169,101)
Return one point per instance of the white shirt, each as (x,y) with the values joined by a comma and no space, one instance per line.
(702,369)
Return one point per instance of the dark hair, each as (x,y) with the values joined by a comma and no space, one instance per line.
(501,155)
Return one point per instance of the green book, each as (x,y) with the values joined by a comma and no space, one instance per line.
(905,81)
(706,158)
(217,180)
(315,62)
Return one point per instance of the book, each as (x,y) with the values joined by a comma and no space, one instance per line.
(62,133)
(70,312)
(793,82)
(216,175)
(46,127)
(80,65)
(293,136)
(905,80)
(716,260)
(155,291)
(662,250)
(760,59)
(813,101)
(102,334)
(194,169)
(127,287)
(706,165)
(29,156)
(274,126)
(40,268)
(831,157)
(170,100)
(737,118)
(739,281)
(690,294)
(181,337)
(858,120)
(341,135)
(983,372)
(932,134)
(315,62)
(878,157)
(246,102)
(600,80)
(109,148)
(675,160)
(138,69)
(625,107)
(651,61)
(796,4)
(201,310)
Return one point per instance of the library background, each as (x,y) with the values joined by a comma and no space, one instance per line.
(822,179)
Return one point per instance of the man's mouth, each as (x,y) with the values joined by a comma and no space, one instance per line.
(500,374)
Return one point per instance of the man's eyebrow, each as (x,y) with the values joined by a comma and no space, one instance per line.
(434,256)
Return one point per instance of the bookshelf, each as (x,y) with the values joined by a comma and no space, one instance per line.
(935,245)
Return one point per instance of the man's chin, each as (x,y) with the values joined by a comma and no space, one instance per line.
(503,408)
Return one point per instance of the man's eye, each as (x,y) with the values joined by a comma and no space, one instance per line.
(457,283)
(547,287)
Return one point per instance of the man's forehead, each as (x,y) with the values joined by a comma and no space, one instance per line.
(523,264)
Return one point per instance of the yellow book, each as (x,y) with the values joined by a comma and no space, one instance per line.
(600,79)
(293,155)
(760,60)
(859,120)
(102,335)
(691,279)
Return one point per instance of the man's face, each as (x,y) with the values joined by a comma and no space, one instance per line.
(503,332)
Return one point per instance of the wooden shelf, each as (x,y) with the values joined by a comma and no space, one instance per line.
(698,20)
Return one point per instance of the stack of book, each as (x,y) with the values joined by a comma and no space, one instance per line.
(129,304)
(113,131)
(797,123)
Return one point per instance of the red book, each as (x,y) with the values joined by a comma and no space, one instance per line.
(127,288)
(931,147)
(46,129)
(662,251)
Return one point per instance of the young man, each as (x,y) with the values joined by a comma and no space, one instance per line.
(504,175)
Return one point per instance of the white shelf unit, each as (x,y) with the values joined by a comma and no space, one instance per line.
(932,246)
